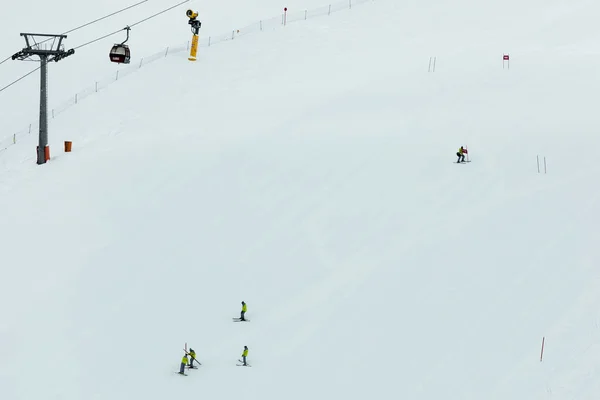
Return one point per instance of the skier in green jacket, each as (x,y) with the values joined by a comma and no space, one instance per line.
(244,355)
(184,362)
(193,358)
(243,313)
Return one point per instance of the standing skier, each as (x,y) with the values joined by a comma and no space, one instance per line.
(461,155)
(184,362)
(244,355)
(243,313)
(193,358)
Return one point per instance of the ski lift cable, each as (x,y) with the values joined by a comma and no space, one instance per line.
(23,77)
(6,59)
(107,16)
(88,23)
(160,12)
(129,26)
(95,40)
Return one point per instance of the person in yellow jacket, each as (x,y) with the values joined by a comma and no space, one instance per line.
(461,155)
(192,358)
(244,355)
(184,362)
(243,313)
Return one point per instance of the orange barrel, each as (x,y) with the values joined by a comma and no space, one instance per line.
(68,146)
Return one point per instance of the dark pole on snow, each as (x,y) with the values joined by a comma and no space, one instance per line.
(48,49)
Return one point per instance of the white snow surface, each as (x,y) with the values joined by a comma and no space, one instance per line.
(308,171)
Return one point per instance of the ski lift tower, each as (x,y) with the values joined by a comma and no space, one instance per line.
(47,48)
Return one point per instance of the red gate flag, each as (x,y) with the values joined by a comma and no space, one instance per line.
(505,57)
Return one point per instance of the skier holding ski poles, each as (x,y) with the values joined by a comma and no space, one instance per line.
(461,154)
(184,362)
(193,358)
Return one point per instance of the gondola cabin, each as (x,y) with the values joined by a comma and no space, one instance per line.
(120,54)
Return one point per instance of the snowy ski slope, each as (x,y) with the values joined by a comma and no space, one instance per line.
(309,172)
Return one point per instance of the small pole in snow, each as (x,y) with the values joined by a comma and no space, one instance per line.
(542,352)
(538,162)
(284,16)
(545,164)
(506,60)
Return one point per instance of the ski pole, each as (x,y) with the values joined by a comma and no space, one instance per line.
(193,358)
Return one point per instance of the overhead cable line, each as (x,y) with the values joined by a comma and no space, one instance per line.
(107,16)
(6,59)
(129,26)
(87,24)
(23,77)
(100,38)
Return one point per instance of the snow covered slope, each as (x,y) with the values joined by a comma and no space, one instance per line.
(309,172)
